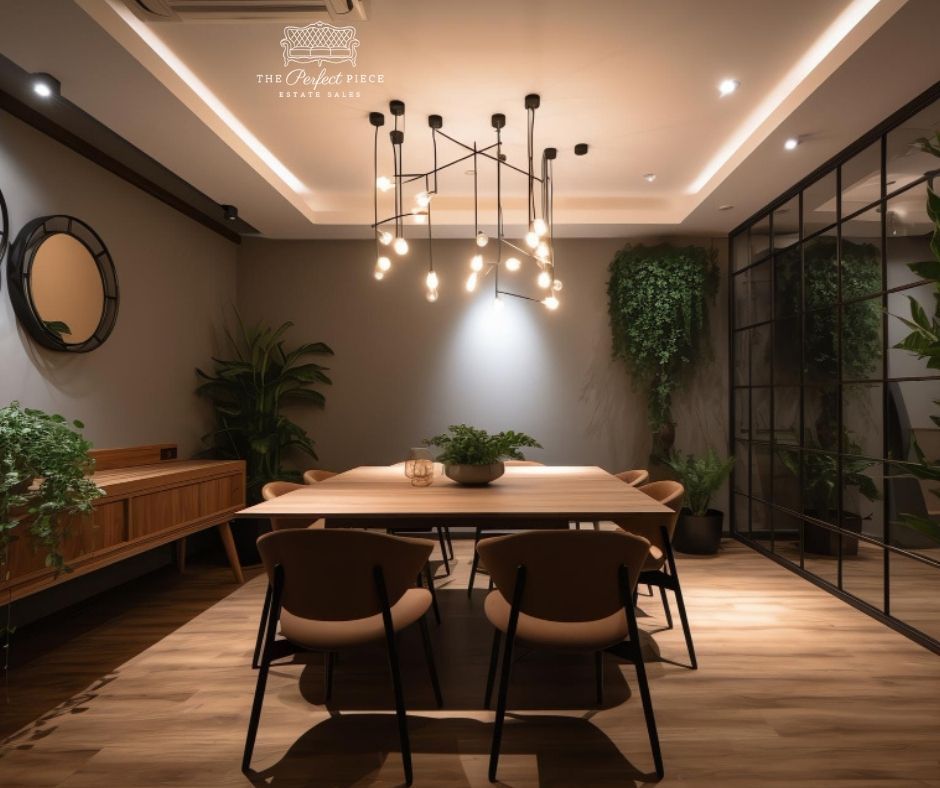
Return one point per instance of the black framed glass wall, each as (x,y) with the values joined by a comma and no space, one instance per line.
(823,403)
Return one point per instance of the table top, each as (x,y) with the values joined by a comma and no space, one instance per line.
(565,492)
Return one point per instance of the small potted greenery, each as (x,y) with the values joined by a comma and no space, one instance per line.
(474,457)
(699,528)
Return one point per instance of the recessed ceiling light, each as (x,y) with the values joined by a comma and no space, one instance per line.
(45,85)
(728,86)
(725,207)
(649,177)
(791,143)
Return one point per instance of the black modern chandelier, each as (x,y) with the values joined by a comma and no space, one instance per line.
(538,243)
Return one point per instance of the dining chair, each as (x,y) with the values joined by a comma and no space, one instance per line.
(635,477)
(660,569)
(335,589)
(568,591)
(315,475)
(273,490)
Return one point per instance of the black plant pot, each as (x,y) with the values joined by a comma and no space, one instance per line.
(822,541)
(699,535)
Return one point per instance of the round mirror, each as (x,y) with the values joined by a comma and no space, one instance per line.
(62,284)
(4,226)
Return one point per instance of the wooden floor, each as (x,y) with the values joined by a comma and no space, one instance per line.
(794,688)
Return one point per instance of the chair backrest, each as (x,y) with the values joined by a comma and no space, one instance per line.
(314,475)
(634,477)
(329,574)
(668,493)
(569,575)
(274,490)
(522,462)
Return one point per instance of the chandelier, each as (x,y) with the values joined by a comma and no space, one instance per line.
(486,260)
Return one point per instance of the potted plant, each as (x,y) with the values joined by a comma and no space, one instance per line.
(699,528)
(44,480)
(474,457)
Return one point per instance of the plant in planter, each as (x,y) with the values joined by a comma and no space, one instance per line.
(44,470)
(699,528)
(658,300)
(474,457)
(821,492)
(248,394)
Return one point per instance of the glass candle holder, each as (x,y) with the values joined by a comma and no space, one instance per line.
(422,473)
(414,456)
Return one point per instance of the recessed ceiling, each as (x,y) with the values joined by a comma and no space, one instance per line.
(638,81)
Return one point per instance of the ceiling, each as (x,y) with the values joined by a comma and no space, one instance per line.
(635,80)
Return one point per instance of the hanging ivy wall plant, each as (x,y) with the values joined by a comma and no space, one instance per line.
(658,298)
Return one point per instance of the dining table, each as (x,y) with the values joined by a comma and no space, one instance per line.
(524,497)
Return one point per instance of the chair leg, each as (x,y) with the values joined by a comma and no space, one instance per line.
(599,676)
(506,671)
(443,543)
(433,590)
(476,561)
(262,627)
(662,595)
(450,543)
(429,656)
(392,648)
(329,663)
(686,630)
(494,663)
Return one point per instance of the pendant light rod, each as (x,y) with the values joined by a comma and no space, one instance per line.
(482,152)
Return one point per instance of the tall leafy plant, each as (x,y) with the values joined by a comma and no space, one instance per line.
(701,477)
(249,392)
(658,299)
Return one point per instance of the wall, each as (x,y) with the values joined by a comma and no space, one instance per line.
(404,369)
(176,280)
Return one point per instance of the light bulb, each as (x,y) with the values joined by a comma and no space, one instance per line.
(385,238)
(482,239)
(423,199)
(540,227)
(383,263)
(531,239)
(512,264)
(498,303)
(544,280)
(476,262)
(551,302)
(431,296)
(400,246)
(431,280)
(557,285)
(472,282)
(384,183)
(380,275)
(728,86)
(420,218)
(541,251)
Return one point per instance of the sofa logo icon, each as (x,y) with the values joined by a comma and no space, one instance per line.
(319,43)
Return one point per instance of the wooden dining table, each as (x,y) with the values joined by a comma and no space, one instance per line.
(529,496)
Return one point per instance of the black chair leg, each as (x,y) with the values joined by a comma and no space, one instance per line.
(599,676)
(494,663)
(433,590)
(686,630)
(392,648)
(329,660)
(262,627)
(263,668)
(473,566)
(429,656)
(450,543)
(507,670)
(443,544)
(662,594)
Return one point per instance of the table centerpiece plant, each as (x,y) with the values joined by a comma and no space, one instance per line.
(473,457)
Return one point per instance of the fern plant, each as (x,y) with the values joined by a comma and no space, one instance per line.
(700,476)
(248,393)
(464,445)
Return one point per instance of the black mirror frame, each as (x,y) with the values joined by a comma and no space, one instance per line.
(4,227)
(22,256)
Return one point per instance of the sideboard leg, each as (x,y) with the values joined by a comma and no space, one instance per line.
(181,555)
(226,533)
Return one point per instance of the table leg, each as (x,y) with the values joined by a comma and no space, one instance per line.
(181,555)
(229,542)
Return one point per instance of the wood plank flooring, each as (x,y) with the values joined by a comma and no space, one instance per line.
(794,688)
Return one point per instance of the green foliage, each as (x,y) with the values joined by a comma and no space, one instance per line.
(701,477)
(44,470)
(658,303)
(248,393)
(463,445)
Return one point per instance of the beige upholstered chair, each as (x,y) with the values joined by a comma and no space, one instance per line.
(314,475)
(565,590)
(660,569)
(333,589)
(635,477)
(273,490)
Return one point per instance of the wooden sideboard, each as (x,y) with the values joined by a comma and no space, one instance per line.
(150,499)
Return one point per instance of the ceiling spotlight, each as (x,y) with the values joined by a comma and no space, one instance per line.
(482,239)
(725,207)
(728,86)
(230,212)
(791,143)
(649,177)
(472,282)
(512,264)
(476,262)
(45,85)
(383,263)
(544,280)
(551,302)
(385,238)
(400,246)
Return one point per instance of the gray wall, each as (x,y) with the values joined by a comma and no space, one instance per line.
(176,280)
(404,369)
